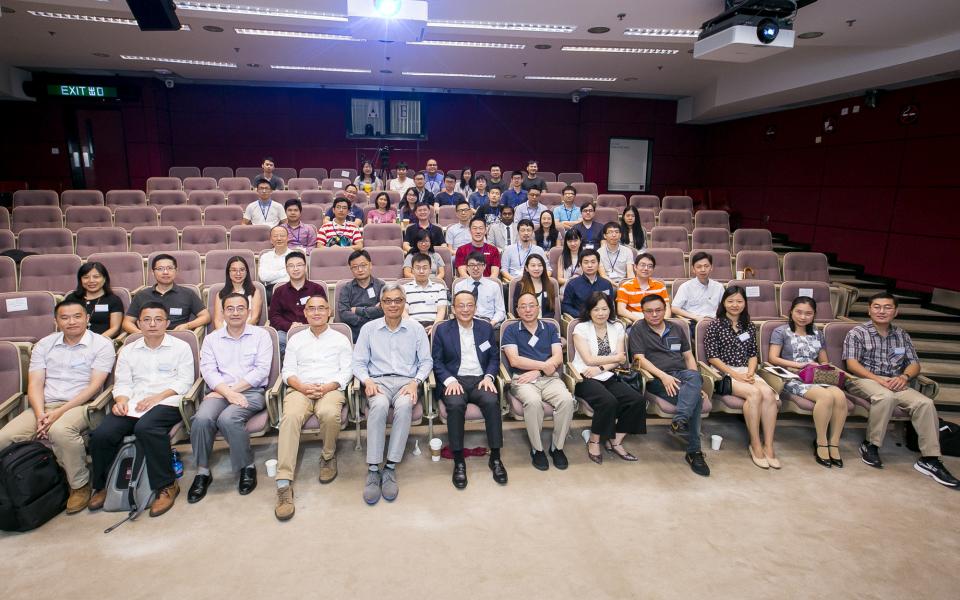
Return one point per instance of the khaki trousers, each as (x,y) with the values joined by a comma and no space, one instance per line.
(297,409)
(532,395)
(923,414)
(66,437)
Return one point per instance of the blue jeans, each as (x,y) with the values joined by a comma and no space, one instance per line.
(689,402)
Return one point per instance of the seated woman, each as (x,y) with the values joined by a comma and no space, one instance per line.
(568,264)
(422,244)
(466,185)
(730,343)
(408,204)
(238,281)
(103,306)
(795,345)
(618,409)
(367,180)
(547,235)
(381,211)
(536,281)
(631,231)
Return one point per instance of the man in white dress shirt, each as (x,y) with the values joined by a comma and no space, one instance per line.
(271,267)
(698,298)
(616,260)
(488,292)
(264,211)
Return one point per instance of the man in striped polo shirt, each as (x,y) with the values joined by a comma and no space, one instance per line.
(426,299)
(633,291)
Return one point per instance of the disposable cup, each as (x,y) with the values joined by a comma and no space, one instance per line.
(435,445)
(715,441)
(271,467)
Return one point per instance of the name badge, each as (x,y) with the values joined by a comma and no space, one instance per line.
(484,346)
(164,368)
(304,299)
(744,336)
(371,293)
(533,340)
(101,308)
(607,292)
(898,351)
(675,347)
(176,312)
(588,246)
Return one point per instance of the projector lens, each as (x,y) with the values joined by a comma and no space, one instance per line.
(767,31)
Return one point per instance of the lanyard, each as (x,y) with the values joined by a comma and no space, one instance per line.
(568,212)
(299,229)
(524,257)
(526,211)
(265,211)
(613,263)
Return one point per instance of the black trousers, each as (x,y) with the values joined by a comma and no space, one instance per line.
(489,405)
(617,407)
(153,440)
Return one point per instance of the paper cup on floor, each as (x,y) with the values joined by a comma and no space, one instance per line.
(586,435)
(715,441)
(435,445)
(271,467)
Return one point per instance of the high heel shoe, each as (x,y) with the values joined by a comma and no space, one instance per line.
(837,462)
(825,462)
(760,462)
(597,458)
(622,456)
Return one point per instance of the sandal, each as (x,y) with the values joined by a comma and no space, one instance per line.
(837,462)
(597,458)
(611,447)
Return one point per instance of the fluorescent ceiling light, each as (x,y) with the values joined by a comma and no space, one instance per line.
(620,50)
(180,61)
(473,75)
(259,11)
(468,44)
(297,34)
(504,26)
(571,78)
(657,32)
(324,69)
(90,18)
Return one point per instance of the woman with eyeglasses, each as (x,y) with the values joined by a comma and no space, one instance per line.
(103,306)
(423,245)
(408,205)
(238,281)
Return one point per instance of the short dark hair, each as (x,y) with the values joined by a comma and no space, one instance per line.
(586,253)
(358,254)
(223,301)
(593,300)
(419,174)
(883,296)
(159,257)
(351,185)
(419,257)
(698,256)
(477,256)
(496,165)
(401,165)
(340,199)
(610,225)
(266,158)
(450,177)
(531,162)
(480,178)
(647,256)
(294,254)
(293,202)
(69,302)
(475,219)
(154,305)
(525,223)
(591,205)
(461,201)
(260,180)
(516,174)
(467,292)
(651,298)
(569,188)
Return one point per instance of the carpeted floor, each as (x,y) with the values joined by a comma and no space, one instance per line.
(650,529)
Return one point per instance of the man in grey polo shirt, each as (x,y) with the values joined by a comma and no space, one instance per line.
(66,370)
(358,302)
(185,308)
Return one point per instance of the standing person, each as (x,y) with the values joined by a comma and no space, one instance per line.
(340,232)
(286,307)
(535,360)
(392,359)
(503,232)
(515,194)
(631,230)
(547,235)
(730,343)
(536,281)
(698,298)
(422,223)
(408,205)
(616,262)
(185,310)
(448,196)
(618,409)
(263,210)
(433,178)
(882,358)
(478,232)
(466,359)
(568,263)
(633,291)
(794,346)
(590,231)
(272,269)
(401,183)
(467,184)
(300,235)
(317,370)
(104,308)
(479,197)
(579,289)
(358,302)
(67,369)
(235,364)
(151,377)
(532,181)
(381,211)
(268,176)
(531,209)
(568,213)
(516,255)
(487,291)
(367,179)
(426,299)
(496,178)
(458,234)
(424,195)
(238,281)
(423,245)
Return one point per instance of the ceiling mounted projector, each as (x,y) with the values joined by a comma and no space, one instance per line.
(387,20)
(748,30)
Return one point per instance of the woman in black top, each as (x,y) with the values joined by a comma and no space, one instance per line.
(408,204)
(536,281)
(547,234)
(103,306)
(730,343)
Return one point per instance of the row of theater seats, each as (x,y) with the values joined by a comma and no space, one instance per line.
(288,173)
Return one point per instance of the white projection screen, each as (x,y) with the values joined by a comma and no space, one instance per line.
(630,163)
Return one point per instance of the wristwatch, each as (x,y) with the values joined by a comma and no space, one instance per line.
(418,380)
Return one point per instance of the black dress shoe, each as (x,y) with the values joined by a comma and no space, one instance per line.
(459,475)
(248,480)
(198,489)
(499,471)
(559,458)
(539,460)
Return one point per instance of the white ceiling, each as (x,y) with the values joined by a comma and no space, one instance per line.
(891,41)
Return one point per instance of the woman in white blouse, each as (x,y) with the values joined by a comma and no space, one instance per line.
(272,271)
(618,409)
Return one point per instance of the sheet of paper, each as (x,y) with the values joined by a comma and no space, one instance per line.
(16,304)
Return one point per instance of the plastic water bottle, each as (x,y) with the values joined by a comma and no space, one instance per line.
(177,464)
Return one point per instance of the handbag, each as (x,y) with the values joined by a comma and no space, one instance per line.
(822,374)
(631,378)
(723,386)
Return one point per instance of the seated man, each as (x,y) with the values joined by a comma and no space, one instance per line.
(532,181)
(699,297)
(578,289)
(152,375)
(567,214)
(490,210)
(591,232)
(496,179)
(665,353)
(882,357)
(480,197)
(516,255)
(354,212)
(515,194)
(301,236)
(535,360)
(67,369)
(531,209)
(426,299)
(340,232)
(502,232)
(422,212)
(632,291)
(616,260)
(458,234)
(271,269)
(263,211)
(402,182)
(448,196)
(235,364)
(424,195)
(433,178)
(184,308)
(316,367)
(478,233)
(487,291)
(274,181)
(392,358)
(358,302)
(466,359)
(286,306)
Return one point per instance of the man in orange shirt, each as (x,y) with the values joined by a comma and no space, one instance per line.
(632,291)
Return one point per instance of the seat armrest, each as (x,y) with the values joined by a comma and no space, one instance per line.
(98,405)
(10,404)
(429,393)
(710,377)
(571,377)
(190,401)
(928,387)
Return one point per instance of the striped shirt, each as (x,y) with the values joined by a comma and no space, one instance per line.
(335,234)
(883,356)
(422,302)
(631,293)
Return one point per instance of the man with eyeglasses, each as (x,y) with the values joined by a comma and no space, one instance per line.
(591,232)
(516,255)
(488,292)
(531,209)
(632,291)
(448,196)
(568,213)
(340,232)
(478,243)
(317,371)
(392,359)
(432,178)
(885,367)
(235,364)
(184,307)
(426,299)
(286,306)
(424,195)
(458,234)
(358,302)
(354,212)
(579,288)
(264,211)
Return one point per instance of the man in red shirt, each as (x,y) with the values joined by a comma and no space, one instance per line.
(478,231)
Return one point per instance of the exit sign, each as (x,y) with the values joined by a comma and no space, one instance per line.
(82,91)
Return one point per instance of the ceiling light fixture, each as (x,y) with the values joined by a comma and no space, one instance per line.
(324,69)
(297,34)
(598,30)
(619,50)
(181,61)
(657,32)
(810,35)
(504,26)
(90,18)
(387,8)
(259,11)
(458,44)
(565,78)
(472,75)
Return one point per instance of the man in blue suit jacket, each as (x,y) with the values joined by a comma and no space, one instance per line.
(466,359)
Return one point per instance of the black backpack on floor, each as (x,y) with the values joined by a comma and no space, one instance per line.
(33,487)
(949,438)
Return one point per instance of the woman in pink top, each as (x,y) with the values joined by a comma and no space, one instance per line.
(381,211)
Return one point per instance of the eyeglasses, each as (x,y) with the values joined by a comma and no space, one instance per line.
(164,269)
(421,267)
(232,310)
(464,306)
(393,301)
(653,311)
(316,309)
(237,271)
(474,265)
(360,267)
(644,266)
(587,210)
(463,210)
(153,320)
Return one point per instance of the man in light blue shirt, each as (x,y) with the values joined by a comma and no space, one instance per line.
(433,179)
(458,234)
(568,213)
(516,255)
(531,209)
(392,359)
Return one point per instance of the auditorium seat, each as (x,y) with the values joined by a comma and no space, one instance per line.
(605,215)
(764,263)
(318,173)
(35,198)
(411,172)
(752,239)
(722,265)
(455,172)
(250,237)
(676,217)
(203,238)
(669,237)
(334,183)
(313,214)
(226,216)
(551,200)
(162,198)
(181,216)
(447,216)
(149,239)
(8,275)
(330,264)
(791,403)
(4,218)
(301,184)
(761,298)
(710,238)
(197,183)
(308,197)
(163,183)
(115,198)
(80,198)
(514,406)
(26,217)
(91,240)
(570,178)
(712,218)
(217,172)
(215,265)
(547,176)
(56,273)
(448,270)
(234,184)
(677,203)
(125,268)
(250,173)
(394,198)
(78,217)
(48,240)
(661,406)
(340,173)
(8,241)
(182,173)
(285,173)
(818,290)
(387,262)
(282,196)
(241,198)
(585,188)
(383,234)
(555,187)
(582,199)
(130,217)
(205,198)
(646,201)
(648,219)
(670,264)
(806,266)
(213,289)
(189,267)
(31,318)
(512,292)
(617,201)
